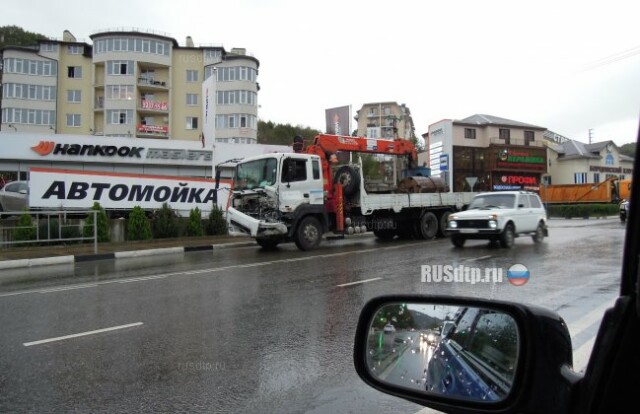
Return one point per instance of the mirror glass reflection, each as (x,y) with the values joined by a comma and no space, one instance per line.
(454,351)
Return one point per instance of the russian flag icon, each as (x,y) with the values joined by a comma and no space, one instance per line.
(518,275)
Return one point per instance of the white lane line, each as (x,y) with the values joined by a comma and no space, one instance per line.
(359,282)
(209,270)
(67,288)
(477,259)
(581,355)
(61,338)
(577,327)
(142,279)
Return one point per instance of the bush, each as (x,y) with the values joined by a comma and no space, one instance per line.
(582,210)
(165,223)
(194,226)
(103,224)
(138,226)
(25,229)
(216,224)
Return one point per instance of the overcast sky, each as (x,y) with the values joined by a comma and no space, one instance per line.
(569,66)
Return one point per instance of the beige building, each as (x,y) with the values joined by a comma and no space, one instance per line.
(573,162)
(128,84)
(386,120)
(486,153)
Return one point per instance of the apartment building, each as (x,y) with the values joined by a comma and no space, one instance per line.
(127,83)
(386,120)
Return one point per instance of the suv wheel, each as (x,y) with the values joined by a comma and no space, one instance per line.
(458,241)
(507,237)
(539,234)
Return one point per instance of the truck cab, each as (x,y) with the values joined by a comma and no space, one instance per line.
(272,192)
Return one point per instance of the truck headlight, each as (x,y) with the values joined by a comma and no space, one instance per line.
(493,224)
(453,224)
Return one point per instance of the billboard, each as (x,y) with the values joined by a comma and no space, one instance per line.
(208,111)
(338,120)
(73,189)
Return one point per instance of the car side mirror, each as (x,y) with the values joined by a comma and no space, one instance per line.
(489,356)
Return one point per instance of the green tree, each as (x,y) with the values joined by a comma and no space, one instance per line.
(628,149)
(165,223)
(17,36)
(194,226)
(282,134)
(216,224)
(138,226)
(103,224)
(25,229)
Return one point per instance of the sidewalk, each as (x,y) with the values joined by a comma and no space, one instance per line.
(27,256)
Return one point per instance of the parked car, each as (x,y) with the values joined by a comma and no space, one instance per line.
(500,216)
(14,196)
(624,210)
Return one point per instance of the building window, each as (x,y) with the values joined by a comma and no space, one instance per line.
(609,159)
(73,120)
(192,76)
(546,180)
(580,178)
(192,99)
(596,177)
(120,116)
(192,122)
(75,49)
(74,72)
(49,47)
(505,135)
(528,137)
(120,67)
(120,92)
(470,133)
(74,96)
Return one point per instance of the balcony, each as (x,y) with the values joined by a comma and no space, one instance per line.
(152,84)
(99,105)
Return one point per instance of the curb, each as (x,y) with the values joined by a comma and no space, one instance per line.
(54,260)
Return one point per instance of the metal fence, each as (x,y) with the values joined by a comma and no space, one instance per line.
(47,228)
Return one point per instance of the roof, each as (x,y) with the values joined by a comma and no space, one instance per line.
(485,120)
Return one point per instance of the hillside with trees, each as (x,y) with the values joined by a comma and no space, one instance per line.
(17,36)
(282,134)
(628,149)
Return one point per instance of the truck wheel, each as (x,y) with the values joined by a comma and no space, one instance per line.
(507,237)
(268,244)
(308,233)
(444,219)
(349,178)
(428,227)
(458,241)
(385,234)
(539,234)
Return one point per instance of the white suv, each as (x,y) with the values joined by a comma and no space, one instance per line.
(500,217)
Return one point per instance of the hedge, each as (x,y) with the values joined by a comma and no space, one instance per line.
(582,210)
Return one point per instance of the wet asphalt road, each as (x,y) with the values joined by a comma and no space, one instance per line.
(247,330)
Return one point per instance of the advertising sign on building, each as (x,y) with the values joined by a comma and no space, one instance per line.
(208,111)
(338,120)
(73,189)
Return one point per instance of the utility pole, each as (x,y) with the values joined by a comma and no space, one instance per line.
(590,135)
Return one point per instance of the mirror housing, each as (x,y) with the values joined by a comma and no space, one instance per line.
(544,365)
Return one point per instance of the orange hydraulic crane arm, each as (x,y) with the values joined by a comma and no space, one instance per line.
(334,143)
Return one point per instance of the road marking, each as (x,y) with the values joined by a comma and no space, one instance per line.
(359,282)
(477,259)
(97,331)
(209,270)
(577,327)
(67,288)
(581,355)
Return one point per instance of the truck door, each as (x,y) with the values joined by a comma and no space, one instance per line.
(301,183)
